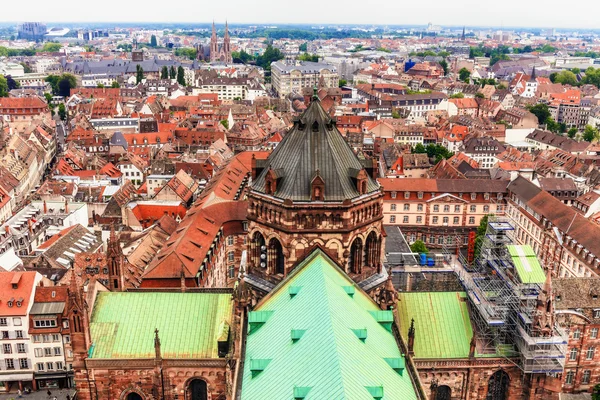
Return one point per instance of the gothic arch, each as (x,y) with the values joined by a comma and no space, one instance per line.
(196,389)
(443,393)
(132,394)
(258,248)
(339,248)
(355,259)
(498,386)
(275,257)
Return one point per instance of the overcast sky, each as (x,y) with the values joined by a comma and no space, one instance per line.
(532,13)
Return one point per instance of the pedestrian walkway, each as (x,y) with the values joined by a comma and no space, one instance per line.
(40,395)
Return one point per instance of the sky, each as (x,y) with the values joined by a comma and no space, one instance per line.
(504,13)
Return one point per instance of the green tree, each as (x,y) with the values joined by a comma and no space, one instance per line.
(541,112)
(343,82)
(270,55)
(444,65)
(26,68)
(172,72)
(590,133)
(62,84)
(62,111)
(479,95)
(419,247)
(419,149)
(115,85)
(3,87)
(12,84)
(308,57)
(303,47)
(566,78)
(180,76)
(126,47)
(395,114)
(480,235)
(187,52)
(572,132)
(241,57)
(51,47)
(464,75)
(153,42)
(100,86)
(457,96)
(139,73)
(225,123)
(164,72)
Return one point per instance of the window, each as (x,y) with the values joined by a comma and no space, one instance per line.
(7,348)
(20,347)
(55,338)
(50,366)
(393,195)
(407,195)
(231,256)
(573,354)
(231,272)
(436,208)
(392,207)
(589,355)
(19,334)
(59,365)
(3,322)
(47,352)
(38,352)
(471,220)
(585,379)
(405,219)
(4,334)
(36,338)
(432,239)
(569,378)
(407,207)
(596,313)
(486,209)
(392,219)
(473,208)
(10,363)
(435,220)
(419,207)
(57,351)
(440,240)
(420,195)
(23,363)
(230,240)
(473,196)
(456,221)
(66,323)
(45,323)
(67,339)
(594,333)
(445,220)
(446,208)
(39,366)
(419,219)
(576,334)
(456,209)
(46,338)
(17,321)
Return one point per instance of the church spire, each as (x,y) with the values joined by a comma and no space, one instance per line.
(543,319)
(226,30)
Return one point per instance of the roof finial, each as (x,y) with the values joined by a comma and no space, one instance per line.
(315,93)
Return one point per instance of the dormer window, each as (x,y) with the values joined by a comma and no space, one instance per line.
(317,187)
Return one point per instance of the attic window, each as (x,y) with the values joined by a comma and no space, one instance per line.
(258,365)
(300,392)
(375,391)
(360,333)
(397,364)
(385,318)
(293,290)
(296,334)
(256,319)
(350,290)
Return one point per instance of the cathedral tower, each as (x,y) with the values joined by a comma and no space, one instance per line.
(313,191)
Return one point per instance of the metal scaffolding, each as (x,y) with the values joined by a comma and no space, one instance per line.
(504,305)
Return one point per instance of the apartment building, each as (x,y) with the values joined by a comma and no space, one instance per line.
(562,238)
(293,78)
(16,354)
(440,211)
(50,338)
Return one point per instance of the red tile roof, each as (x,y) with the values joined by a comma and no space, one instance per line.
(16,286)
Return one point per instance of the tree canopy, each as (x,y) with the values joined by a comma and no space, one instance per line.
(419,247)
(180,76)
(566,78)
(308,57)
(590,133)
(3,87)
(62,84)
(464,75)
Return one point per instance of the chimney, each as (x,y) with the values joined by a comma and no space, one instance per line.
(66,207)
(45,208)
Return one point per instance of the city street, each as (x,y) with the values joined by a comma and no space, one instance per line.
(41,395)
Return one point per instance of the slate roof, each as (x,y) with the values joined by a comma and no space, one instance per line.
(328,356)
(442,325)
(314,144)
(123,324)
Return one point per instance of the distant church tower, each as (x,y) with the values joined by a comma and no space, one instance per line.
(220,52)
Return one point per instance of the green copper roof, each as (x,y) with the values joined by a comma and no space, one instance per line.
(328,357)
(527,265)
(189,324)
(442,325)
